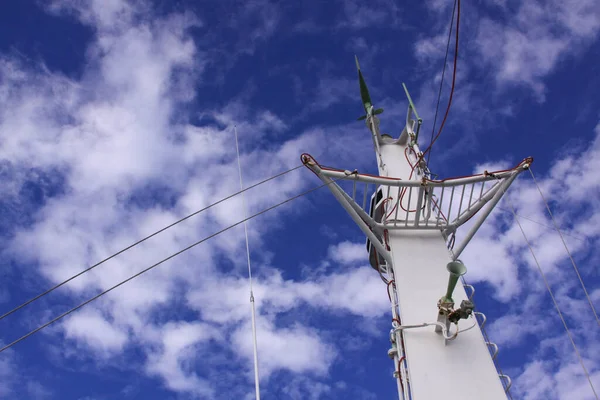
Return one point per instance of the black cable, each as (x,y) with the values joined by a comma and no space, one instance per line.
(442,80)
(157,264)
(143,240)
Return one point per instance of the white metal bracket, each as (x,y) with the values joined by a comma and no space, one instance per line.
(440,204)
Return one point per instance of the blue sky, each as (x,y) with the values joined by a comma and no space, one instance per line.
(116,118)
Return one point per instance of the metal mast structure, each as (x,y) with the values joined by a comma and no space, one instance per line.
(410,224)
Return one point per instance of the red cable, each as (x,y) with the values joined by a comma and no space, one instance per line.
(392,282)
(306,158)
(527,160)
(393,208)
(412,170)
(377,262)
(400,371)
(453,82)
(439,208)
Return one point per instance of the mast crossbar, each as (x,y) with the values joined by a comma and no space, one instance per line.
(441,205)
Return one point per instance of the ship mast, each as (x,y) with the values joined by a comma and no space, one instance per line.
(437,346)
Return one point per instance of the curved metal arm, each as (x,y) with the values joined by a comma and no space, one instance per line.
(426,324)
(483,317)
(495,347)
(472,291)
(508,381)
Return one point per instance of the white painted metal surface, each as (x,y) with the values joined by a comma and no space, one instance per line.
(253,308)
(414,256)
(463,368)
(434,205)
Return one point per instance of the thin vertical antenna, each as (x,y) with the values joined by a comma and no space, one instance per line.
(256,379)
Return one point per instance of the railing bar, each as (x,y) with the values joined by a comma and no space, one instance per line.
(397,207)
(386,201)
(439,206)
(450,206)
(470,203)
(493,188)
(409,227)
(471,196)
(340,175)
(365,198)
(408,206)
(354,191)
(428,205)
(420,199)
(462,196)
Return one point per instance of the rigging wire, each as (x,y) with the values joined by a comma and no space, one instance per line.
(442,80)
(6,314)
(39,328)
(244,208)
(453,81)
(566,247)
(587,374)
(544,225)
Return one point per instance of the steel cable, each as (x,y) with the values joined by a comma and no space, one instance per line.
(157,264)
(141,241)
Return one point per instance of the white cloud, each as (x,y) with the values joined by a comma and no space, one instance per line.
(348,252)
(331,91)
(509,330)
(358,291)
(101,14)
(489,258)
(297,349)
(539,381)
(535,39)
(499,255)
(36,391)
(178,345)
(428,49)
(16,379)
(360,16)
(510,48)
(536,384)
(7,369)
(92,329)
(116,138)
(301,388)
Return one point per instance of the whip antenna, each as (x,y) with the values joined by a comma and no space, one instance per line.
(255,350)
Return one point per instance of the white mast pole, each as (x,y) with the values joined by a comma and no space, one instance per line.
(254,344)
(457,370)
(437,347)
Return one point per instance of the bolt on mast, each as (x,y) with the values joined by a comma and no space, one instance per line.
(437,348)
